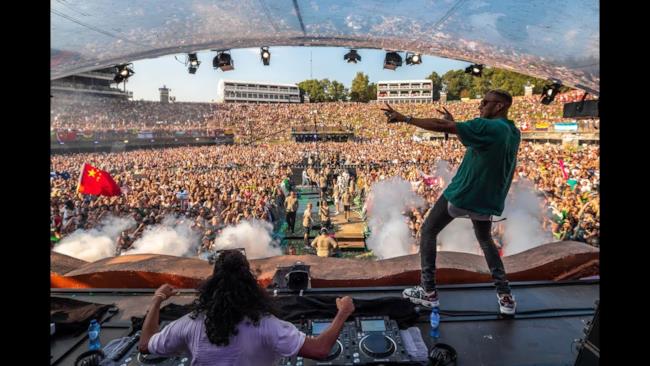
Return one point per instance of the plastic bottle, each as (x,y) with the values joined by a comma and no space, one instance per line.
(93,335)
(434,320)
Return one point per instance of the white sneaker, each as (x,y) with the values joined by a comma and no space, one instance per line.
(507,304)
(417,295)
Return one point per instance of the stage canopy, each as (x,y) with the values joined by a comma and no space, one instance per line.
(556,39)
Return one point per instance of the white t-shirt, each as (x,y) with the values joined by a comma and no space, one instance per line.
(253,345)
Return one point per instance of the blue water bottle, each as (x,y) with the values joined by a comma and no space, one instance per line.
(435,323)
(93,335)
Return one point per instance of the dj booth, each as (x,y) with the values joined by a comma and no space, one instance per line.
(384,329)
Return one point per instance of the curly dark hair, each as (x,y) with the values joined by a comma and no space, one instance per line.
(228,296)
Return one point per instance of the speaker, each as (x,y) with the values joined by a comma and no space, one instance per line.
(590,347)
(584,109)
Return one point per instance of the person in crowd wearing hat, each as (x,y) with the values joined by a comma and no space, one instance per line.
(324,244)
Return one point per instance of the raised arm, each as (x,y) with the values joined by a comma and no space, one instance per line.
(319,347)
(446,124)
(150,325)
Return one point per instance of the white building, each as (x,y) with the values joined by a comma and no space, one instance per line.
(405,91)
(230,91)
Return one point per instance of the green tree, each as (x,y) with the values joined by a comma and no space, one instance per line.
(336,91)
(372,91)
(456,81)
(459,83)
(359,90)
(323,90)
(314,89)
(437,84)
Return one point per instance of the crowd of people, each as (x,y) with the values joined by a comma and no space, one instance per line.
(105,118)
(223,185)
(213,186)
(216,186)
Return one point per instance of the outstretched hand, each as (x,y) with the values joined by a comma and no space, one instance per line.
(393,115)
(446,114)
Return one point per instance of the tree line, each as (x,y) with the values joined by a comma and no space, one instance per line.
(458,83)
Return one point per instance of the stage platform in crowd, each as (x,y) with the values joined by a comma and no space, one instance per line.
(550,316)
(348,234)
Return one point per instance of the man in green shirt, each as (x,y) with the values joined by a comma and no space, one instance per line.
(477,191)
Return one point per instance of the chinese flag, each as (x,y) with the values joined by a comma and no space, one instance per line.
(97,182)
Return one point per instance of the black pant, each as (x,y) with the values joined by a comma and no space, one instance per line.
(291,221)
(436,220)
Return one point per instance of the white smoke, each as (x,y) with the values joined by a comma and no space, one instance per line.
(172,237)
(443,169)
(390,235)
(253,235)
(523,228)
(96,243)
(459,235)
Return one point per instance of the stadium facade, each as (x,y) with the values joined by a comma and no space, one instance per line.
(234,91)
(405,91)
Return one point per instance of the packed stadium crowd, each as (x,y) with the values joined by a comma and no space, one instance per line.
(217,186)
(107,118)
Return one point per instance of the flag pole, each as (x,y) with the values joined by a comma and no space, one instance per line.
(81,174)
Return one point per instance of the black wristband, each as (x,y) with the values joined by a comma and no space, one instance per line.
(408,119)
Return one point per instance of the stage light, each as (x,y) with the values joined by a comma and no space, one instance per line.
(193,63)
(266,55)
(122,72)
(352,57)
(475,70)
(549,92)
(392,61)
(298,277)
(223,61)
(413,58)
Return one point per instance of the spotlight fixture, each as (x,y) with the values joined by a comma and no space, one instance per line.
(549,92)
(475,70)
(392,61)
(123,72)
(223,61)
(266,55)
(193,63)
(352,57)
(298,277)
(413,58)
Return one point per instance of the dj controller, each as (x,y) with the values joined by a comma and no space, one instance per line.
(128,355)
(364,341)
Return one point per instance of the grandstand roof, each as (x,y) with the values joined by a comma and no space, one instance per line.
(551,39)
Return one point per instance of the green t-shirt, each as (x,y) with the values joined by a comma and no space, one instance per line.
(483,178)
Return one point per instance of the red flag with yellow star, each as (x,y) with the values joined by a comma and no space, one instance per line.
(97,182)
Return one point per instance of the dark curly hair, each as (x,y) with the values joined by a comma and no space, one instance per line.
(228,296)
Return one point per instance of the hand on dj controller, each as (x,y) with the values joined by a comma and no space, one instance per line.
(165,292)
(345,305)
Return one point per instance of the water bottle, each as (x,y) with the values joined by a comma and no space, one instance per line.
(93,335)
(434,319)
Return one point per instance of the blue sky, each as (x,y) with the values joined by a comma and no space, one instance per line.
(288,65)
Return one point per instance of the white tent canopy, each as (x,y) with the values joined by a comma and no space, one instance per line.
(556,39)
